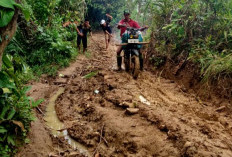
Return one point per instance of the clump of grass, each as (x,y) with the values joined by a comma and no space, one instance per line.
(218,67)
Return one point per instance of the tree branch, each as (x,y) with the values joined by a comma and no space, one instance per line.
(7,33)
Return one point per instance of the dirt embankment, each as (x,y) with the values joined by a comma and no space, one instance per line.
(112,114)
(188,75)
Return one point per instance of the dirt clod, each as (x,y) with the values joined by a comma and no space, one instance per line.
(132,111)
(220,109)
(127,105)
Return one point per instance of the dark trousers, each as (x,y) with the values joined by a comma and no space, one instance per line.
(83,39)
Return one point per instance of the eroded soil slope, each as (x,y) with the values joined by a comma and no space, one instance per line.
(162,119)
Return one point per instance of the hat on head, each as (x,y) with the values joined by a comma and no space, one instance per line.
(126,12)
(102,22)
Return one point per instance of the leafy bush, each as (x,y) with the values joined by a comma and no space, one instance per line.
(201,30)
(46,47)
(100,8)
(40,45)
(40,10)
(15,108)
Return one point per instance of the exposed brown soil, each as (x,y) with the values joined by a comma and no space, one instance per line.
(172,122)
(188,75)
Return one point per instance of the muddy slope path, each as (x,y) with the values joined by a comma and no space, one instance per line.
(114,115)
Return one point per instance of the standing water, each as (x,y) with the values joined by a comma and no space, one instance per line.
(55,124)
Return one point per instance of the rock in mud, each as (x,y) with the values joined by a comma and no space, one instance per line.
(74,154)
(222,108)
(60,81)
(97,155)
(53,155)
(187,144)
(163,127)
(127,105)
(103,73)
(172,135)
(106,77)
(132,111)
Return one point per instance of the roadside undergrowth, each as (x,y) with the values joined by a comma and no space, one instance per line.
(195,32)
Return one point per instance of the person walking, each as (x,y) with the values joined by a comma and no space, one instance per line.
(105,24)
(82,33)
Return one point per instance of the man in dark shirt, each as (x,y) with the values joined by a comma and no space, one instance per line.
(105,24)
(82,31)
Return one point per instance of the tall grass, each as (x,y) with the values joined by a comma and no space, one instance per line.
(218,67)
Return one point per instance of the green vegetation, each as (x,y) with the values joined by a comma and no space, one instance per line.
(7,11)
(90,75)
(15,106)
(200,30)
(97,10)
(41,45)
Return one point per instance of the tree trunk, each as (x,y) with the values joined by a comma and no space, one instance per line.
(7,33)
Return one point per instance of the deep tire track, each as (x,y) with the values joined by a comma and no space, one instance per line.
(175,124)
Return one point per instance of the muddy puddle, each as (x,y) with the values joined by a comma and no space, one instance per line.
(55,124)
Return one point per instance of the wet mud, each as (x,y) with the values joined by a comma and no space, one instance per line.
(150,116)
(57,127)
(112,115)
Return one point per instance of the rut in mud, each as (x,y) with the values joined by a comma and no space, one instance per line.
(111,114)
(171,123)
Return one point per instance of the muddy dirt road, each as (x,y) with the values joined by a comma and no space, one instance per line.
(111,114)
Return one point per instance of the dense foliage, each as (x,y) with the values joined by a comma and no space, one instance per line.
(199,30)
(41,45)
(97,10)
(15,106)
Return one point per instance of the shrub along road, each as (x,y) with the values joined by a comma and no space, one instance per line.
(111,114)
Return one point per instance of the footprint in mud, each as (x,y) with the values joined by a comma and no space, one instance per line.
(84,134)
(130,146)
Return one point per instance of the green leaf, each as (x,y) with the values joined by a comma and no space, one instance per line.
(26,89)
(27,140)
(3,112)
(10,140)
(11,114)
(36,103)
(7,61)
(6,17)
(17,5)
(90,75)
(167,26)
(7,4)
(5,81)
(2,130)
(26,13)
(6,90)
